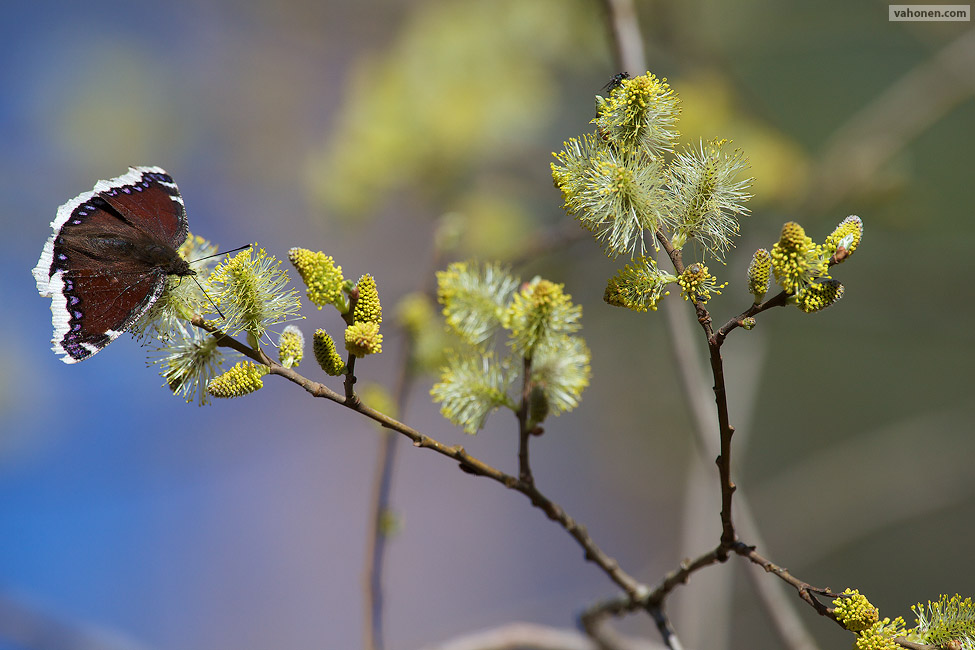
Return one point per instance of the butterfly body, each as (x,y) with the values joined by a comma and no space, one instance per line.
(108,259)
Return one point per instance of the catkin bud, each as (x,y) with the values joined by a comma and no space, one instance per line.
(326,355)
(758,274)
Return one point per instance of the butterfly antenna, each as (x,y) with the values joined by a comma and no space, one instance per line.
(233,250)
(208,296)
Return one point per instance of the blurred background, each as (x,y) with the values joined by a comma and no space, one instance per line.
(130,519)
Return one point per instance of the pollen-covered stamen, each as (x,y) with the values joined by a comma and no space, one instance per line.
(367,306)
(363,338)
(638,286)
(796,260)
(641,113)
(252,290)
(707,197)
(244,378)
(322,276)
(819,295)
(697,283)
(759,272)
(326,355)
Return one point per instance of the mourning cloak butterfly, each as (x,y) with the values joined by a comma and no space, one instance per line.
(109,257)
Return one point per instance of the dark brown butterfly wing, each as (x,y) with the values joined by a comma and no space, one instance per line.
(106,262)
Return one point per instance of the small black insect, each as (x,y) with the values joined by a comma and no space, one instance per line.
(616,81)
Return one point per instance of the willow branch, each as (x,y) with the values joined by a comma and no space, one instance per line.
(725,430)
(883,127)
(911,645)
(522,636)
(664,627)
(468,463)
(778,300)
(382,489)
(805,590)
(524,432)
(625,34)
(653,601)
(373,638)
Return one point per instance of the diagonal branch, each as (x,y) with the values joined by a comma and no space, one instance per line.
(524,431)
(377,536)
(879,130)
(468,463)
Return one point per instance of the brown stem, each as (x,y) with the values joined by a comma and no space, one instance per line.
(622,22)
(470,464)
(350,379)
(226,341)
(625,35)
(373,630)
(911,645)
(382,490)
(778,300)
(524,428)
(652,601)
(656,596)
(666,630)
(880,129)
(726,431)
(806,591)
(376,539)
(680,575)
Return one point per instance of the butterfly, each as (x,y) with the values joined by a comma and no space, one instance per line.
(109,257)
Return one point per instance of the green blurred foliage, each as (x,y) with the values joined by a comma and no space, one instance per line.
(120,94)
(463,86)
(710,109)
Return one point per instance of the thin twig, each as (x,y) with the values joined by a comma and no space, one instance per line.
(680,575)
(470,464)
(350,379)
(911,645)
(383,480)
(806,591)
(725,430)
(524,432)
(663,626)
(880,129)
(625,34)
(778,300)
(782,609)
(654,598)
(373,638)
(527,636)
